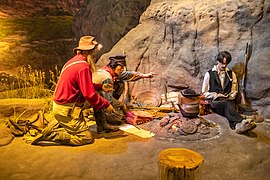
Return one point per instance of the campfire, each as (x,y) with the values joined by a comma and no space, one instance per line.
(183,123)
(176,127)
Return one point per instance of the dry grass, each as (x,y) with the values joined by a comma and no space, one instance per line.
(28,83)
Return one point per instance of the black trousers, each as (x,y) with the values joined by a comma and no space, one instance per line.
(227,109)
(119,87)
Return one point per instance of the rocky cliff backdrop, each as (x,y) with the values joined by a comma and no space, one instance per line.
(179,39)
(108,20)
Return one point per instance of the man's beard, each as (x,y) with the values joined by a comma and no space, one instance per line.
(91,61)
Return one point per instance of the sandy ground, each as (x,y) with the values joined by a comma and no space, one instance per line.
(123,156)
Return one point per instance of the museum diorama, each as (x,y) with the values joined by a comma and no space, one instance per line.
(135,89)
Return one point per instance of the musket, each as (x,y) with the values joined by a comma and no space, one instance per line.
(244,79)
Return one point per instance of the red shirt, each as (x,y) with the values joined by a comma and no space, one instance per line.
(75,84)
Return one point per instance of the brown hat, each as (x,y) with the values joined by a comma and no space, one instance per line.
(86,43)
(119,59)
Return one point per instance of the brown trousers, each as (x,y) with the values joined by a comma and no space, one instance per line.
(69,126)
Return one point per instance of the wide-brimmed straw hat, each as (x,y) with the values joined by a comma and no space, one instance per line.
(86,43)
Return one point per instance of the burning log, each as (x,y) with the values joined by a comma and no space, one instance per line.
(179,163)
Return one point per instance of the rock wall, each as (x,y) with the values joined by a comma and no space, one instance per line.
(108,20)
(180,39)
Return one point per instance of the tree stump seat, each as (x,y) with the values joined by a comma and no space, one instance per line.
(180,164)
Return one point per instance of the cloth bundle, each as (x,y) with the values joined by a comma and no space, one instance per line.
(138,117)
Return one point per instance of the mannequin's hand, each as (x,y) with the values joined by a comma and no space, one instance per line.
(149,75)
(110,109)
(221,96)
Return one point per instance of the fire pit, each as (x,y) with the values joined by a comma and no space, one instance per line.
(184,124)
(176,128)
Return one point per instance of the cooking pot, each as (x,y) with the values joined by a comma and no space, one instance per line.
(189,110)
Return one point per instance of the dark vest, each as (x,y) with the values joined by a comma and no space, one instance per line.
(215,84)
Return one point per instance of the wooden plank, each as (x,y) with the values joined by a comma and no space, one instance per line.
(163,109)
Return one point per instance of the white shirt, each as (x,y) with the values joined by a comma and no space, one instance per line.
(222,75)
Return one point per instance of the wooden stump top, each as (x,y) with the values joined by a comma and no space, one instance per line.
(180,158)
